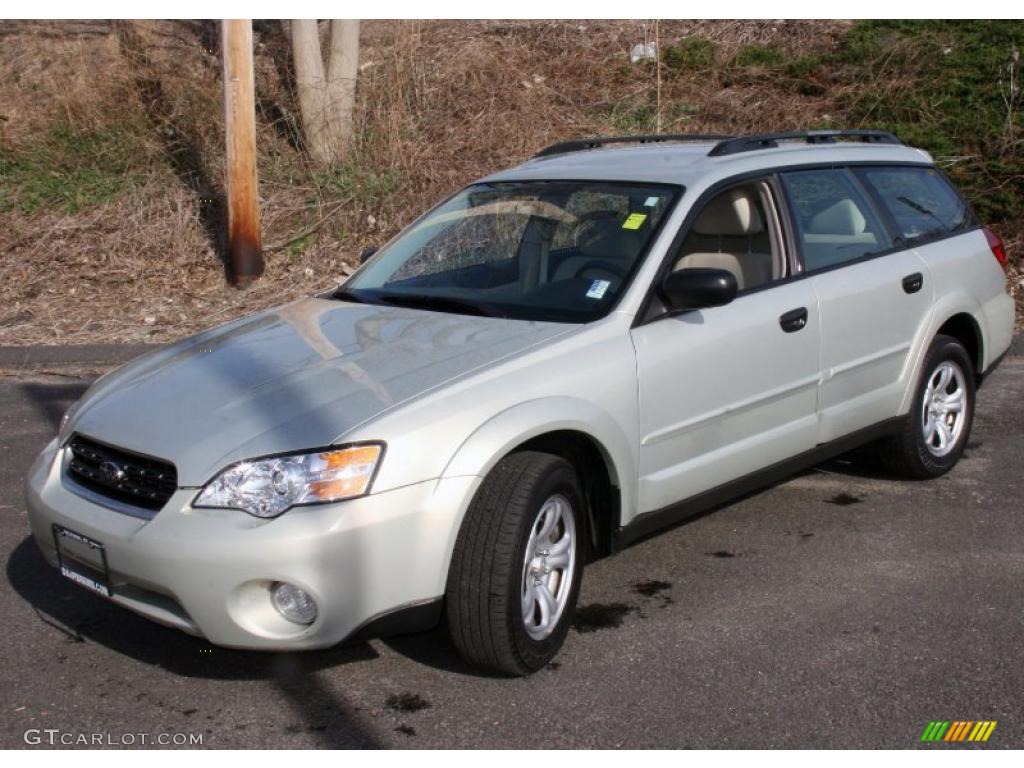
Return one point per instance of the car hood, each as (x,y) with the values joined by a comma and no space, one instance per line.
(290,379)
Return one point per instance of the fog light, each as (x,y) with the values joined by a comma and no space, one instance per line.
(293,603)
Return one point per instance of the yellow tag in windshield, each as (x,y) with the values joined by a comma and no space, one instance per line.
(634,220)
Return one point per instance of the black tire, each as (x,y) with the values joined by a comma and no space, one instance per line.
(483,596)
(907,452)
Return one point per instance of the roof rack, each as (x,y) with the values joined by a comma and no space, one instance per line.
(769,140)
(578,145)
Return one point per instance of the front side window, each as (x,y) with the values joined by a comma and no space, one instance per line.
(920,200)
(737,231)
(834,221)
(552,250)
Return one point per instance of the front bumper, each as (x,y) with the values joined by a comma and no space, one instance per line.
(208,572)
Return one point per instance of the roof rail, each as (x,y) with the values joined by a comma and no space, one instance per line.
(770,140)
(578,145)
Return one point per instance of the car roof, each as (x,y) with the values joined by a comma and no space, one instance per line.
(689,163)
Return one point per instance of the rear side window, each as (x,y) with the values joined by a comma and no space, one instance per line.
(834,221)
(920,200)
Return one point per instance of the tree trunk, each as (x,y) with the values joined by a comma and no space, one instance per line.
(342,67)
(326,97)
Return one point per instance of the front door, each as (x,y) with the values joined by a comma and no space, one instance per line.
(729,390)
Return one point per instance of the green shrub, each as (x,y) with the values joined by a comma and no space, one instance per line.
(70,169)
(944,86)
(628,118)
(690,53)
(758,55)
(803,66)
(363,183)
(633,118)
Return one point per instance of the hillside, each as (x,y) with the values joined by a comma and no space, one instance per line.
(111,207)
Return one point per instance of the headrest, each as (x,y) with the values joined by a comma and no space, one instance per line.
(842,218)
(732,213)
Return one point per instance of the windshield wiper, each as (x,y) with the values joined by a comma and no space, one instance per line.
(441,303)
(923,210)
(343,294)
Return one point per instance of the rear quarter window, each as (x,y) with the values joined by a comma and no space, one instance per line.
(920,200)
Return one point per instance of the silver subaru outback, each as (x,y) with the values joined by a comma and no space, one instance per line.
(557,360)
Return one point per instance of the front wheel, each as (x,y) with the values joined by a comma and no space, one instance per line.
(935,431)
(516,569)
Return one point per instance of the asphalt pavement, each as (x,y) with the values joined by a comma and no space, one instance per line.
(843,608)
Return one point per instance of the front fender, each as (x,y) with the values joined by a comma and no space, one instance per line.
(502,433)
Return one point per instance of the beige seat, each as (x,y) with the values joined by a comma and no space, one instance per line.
(834,235)
(730,221)
(840,218)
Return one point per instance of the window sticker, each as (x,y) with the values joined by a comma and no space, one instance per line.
(597,289)
(650,202)
(634,220)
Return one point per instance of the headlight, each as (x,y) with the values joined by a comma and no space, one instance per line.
(268,487)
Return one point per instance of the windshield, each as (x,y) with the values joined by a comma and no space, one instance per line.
(552,250)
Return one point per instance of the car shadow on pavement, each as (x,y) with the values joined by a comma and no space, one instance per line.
(862,462)
(435,649)
(51,400)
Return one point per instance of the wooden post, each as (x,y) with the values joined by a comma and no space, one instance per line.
(244,240)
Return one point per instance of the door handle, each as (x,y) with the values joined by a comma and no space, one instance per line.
(912,283)
(794,320)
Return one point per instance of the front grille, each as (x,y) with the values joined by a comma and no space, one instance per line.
(120,475)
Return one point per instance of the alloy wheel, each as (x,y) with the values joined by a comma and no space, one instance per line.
(548,567)
(943,408)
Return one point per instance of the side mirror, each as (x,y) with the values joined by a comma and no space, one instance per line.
(365,255)
(698,288)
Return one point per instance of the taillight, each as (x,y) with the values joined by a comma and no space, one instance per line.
(996,245)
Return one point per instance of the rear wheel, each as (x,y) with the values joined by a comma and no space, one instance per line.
(935,431)
(516,569)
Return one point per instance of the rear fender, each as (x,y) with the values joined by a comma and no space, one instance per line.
(944,308)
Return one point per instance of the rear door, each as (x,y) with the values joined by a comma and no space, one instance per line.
(873,294)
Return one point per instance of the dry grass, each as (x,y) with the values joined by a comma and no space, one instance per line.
(439,104)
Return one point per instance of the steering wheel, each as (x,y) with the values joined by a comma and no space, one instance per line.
(613,269)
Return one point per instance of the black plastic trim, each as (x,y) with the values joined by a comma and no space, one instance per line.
(794,320)
(114,494)
(649,523)
(771,140)
(407,619)
(913,283)
(982,377)
(596,142)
